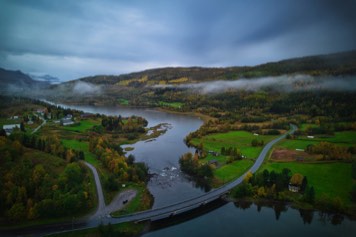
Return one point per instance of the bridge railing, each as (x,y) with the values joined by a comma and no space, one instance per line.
(211,194)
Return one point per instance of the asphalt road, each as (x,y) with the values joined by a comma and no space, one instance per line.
(101,215)
(43,123)
(99,190)
(201,200)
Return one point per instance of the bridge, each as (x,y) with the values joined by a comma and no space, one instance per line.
(153,214)
(190,204)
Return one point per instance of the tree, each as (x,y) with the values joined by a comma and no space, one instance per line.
(353,193)
(309,194)
(17,212)
(297,179)
(130,159)
(2,132)
(353,172)
(304,184)
(22,127)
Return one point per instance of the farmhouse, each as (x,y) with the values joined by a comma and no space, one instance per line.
(213,162)
(67,120)
(293,188)
(10,127)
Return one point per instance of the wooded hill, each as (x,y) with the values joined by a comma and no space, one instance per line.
(332,64)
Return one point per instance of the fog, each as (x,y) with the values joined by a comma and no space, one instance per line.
(83,88)
(285,83)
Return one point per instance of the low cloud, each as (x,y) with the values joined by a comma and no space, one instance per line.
(83,88)
(281,83)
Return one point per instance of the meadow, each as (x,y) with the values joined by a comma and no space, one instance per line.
(345,138)
(330,179)
(239,139)
(82,126)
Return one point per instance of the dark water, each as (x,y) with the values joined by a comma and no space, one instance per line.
(169,185)
(249,219)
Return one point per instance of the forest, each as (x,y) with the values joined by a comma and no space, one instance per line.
(42,174)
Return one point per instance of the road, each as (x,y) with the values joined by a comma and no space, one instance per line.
(203,199)
(101,215)
(104,211)
(99,190)
(42,124)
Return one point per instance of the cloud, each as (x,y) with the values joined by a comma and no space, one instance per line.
(281,83)
(84,88)
(107,36)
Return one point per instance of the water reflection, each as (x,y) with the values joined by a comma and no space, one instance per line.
(306,215)
(246,218)
(279,207)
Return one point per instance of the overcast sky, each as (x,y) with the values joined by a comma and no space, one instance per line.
(72,38)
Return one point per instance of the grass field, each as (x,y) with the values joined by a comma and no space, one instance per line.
(346,138)
(81,146)
(303,127)
(123,102)
(233,170)
(82,125)
(239,139)
(176,105)
(331,179)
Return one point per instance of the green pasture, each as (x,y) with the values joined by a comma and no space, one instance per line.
(82,126)
(239,139)
(176,105)
(123,102)
(330,179)
(81,146)
(346,138)
(233,170)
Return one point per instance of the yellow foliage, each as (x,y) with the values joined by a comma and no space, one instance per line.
(297,179)
(261,192)
(143,79)
(86,195)
(179,80)
(248,177)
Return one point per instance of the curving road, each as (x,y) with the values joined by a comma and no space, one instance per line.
(201,200)
(101,215)
(99,190)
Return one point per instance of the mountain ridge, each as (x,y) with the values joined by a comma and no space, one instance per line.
(343,63)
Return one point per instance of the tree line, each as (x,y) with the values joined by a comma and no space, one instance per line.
(35,185)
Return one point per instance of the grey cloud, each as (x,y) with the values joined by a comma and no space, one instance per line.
(281,83)
(169,33)
(84,88)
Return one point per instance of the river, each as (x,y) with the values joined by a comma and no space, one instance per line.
(169,185)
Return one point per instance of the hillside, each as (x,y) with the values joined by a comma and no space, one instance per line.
(17,80)
(332,64)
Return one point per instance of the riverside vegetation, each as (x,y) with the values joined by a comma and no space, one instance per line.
(42,178)
(242,120)
(319,159)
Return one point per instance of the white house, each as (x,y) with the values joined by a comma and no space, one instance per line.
(10,127)
(66,121)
